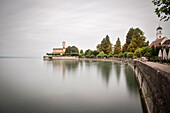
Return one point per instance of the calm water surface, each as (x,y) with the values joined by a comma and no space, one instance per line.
(37,86)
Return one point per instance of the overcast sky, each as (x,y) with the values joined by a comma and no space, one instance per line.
(34,27)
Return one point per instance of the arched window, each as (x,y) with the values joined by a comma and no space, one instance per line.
(159,31)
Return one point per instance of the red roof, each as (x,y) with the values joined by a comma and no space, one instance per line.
(156,42)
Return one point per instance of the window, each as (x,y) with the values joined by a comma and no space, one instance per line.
(159,31)
(159,36)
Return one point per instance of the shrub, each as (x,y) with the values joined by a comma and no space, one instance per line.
(80,55)
(147,55)
(87,56)
(115,55)
(130,55)
(135,57)
(105,55)
(120,55)
(99,56)
(138,52)
(110,55)
(67,54)
(92,56)
(125,54)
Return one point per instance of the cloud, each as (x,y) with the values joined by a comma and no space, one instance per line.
(29,26)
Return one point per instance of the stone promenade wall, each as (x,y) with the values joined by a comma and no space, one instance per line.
(155,86)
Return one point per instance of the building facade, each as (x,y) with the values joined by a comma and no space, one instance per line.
(160,41)
(60,50)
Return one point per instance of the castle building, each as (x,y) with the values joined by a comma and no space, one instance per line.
(160,41)
(60,50)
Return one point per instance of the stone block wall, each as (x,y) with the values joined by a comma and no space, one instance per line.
(155,86)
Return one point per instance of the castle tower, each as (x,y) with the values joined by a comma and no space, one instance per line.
(64,44)
(158,33)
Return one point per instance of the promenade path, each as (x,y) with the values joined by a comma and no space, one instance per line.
(163,67)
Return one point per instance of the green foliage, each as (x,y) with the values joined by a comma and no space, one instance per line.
(115,55)
(147,55)
(120,55)
(67,54)
(72,49)
(162,9)
(101,54)
(105,45)
(135,57)
(125,54)
(110,55)
(81,51)
(157,50)
(87,56)
(129,35)
(105,55)
(88,52)
(138,40)
(95,52)
(80,55)
(145,50)
(153,51)
(99,47)
(92,56)
(129,55)
(138,52)
(124,47)
(74,54)
(117,47)
(52,53)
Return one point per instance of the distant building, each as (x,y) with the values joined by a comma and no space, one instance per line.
(60,50)
(160,41)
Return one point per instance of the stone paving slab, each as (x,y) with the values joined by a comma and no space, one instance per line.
(163,67)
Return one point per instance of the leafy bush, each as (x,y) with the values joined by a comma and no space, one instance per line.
(115,55)
(135,57)
(125,54)
(67,54)
(80,55)
(99,56)
(147,55)
(129,55)
(138,52)
(87,56)
(120,55)
(105,55)
(92,56)
(110,55)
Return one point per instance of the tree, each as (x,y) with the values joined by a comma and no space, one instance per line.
(95,52)
(128,39)
(105,45)
(81,51)
(129,35)
(72,49)
(99,47)
(101,54)
(138,40)
(117,47)
(124,47)
(88,52)
(138,52)
(162,9)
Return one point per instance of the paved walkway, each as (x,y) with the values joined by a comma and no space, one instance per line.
(163,67)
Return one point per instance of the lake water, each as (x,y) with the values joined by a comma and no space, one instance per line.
(36,86)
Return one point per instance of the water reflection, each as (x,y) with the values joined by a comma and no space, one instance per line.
(105,69)
(64,65)
(117,67)
(34,86)
(130,79)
